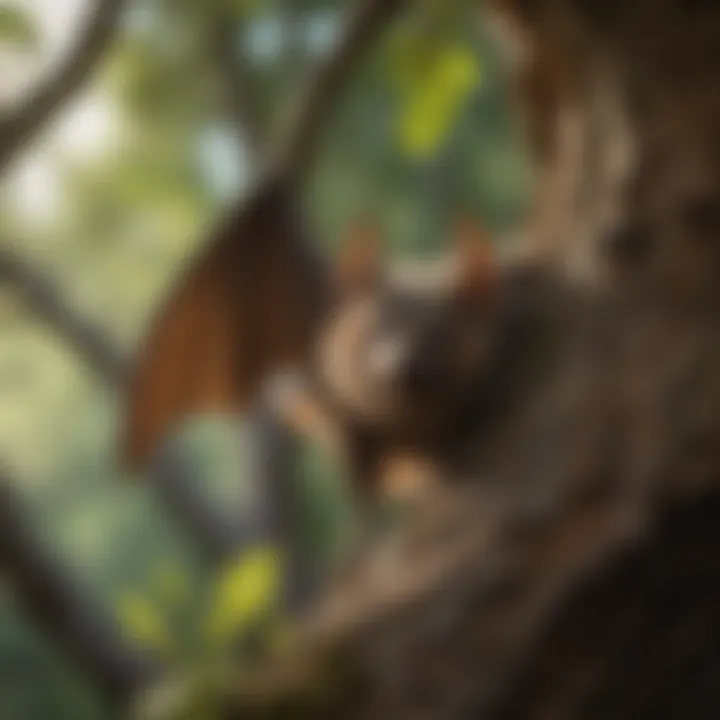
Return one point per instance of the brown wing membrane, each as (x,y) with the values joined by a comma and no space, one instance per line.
(246,305)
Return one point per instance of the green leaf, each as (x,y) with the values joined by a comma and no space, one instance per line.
(433,100)
(245,591)
(17,28)
(458,67)
(435,71)
(143,622)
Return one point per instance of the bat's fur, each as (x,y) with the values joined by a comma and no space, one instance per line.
(409,363)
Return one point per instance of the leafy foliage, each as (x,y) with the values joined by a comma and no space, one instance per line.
(196,634)
(244,592)
(183,628)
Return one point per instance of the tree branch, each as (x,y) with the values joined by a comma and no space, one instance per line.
(514,611)
(18,128)
(294,52)
(55,604)
(96,350)
(324,84)
(43,299)
(239,84)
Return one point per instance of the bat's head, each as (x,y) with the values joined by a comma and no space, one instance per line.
(405,344)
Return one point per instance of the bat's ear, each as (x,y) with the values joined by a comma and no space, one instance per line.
(359,262)
(476,262)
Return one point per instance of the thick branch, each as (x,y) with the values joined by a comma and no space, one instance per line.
(54,603)
(544,614)
(18,128)
(326,82)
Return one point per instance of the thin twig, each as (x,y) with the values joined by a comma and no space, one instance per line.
(43,299)
(41,296)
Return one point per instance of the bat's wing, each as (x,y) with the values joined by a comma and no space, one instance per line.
(247,305)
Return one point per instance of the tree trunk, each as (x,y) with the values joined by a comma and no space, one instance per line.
(583,583)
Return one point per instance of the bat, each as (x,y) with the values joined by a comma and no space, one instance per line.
(245,306)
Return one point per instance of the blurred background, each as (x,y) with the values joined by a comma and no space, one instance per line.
(102,208)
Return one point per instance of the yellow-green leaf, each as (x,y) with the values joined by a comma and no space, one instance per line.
(434,85)
(421,128)
(459,69)
(245,591)
(143,622)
